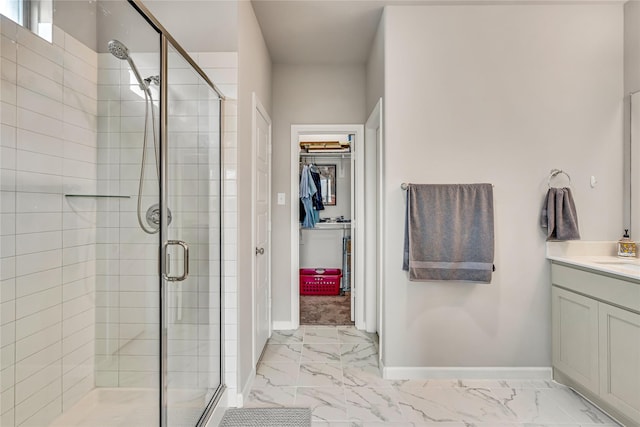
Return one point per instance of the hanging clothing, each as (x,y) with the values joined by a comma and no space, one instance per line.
(307,190)
(317,198)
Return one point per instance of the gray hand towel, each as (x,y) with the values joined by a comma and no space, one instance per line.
(449,233)
(559,215)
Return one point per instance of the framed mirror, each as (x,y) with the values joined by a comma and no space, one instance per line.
(328,184)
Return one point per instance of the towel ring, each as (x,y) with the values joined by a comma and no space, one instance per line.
(556,172)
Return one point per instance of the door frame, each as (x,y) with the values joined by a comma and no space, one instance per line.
(258,108)
(357,194)
(374,138)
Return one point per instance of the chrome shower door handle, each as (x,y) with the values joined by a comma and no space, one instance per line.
(185,271)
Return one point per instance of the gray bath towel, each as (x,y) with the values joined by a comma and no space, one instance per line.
(559,215)
(449,232)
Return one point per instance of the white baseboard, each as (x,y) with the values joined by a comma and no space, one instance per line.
(246,389)
(286,325)
(490,373)
(232,397)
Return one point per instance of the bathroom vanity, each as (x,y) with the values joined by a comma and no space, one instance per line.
(596,330)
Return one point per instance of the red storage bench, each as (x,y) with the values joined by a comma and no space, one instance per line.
(320,281)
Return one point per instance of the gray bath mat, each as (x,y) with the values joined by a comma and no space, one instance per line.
(259,417)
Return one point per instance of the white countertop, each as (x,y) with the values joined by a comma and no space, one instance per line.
(598,256)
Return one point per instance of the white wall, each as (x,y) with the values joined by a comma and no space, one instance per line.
(304,94)
(375,68)
(49,148)
(254,67)
(631,84)
(497,94)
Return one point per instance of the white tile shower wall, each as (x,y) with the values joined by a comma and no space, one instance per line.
(222,69)
(127,309)
(49,149)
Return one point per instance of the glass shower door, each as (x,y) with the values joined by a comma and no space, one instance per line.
(191,239)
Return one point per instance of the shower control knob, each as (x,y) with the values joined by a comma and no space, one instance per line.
(153,216)
(259,251)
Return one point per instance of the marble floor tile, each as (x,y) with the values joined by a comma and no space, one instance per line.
(363,375)
(372,404)
(331,424)
(325,353)
(339,378)
(271,397)
(276,374)
(530,384)
(320,375)
(287,337)
(359,353)
(282,353)
(470,405)
(380,424)
(321,336)
(578,408)
(349,334)
(326,403)
(531,405)
(409,384)
(550,425)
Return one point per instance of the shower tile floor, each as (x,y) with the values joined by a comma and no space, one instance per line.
(334,370)
(129,407)
(113,407)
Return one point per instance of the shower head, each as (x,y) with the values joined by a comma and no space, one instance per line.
(120,51)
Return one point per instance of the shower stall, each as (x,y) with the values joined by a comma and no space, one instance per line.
(111,308)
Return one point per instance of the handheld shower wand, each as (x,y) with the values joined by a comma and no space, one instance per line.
(120,51)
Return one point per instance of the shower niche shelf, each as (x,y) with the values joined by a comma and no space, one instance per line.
(101,196)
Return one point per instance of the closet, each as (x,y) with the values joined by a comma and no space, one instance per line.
(326,176)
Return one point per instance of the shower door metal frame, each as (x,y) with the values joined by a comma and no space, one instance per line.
(165,40)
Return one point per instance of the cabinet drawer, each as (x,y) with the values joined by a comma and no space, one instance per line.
(604,288)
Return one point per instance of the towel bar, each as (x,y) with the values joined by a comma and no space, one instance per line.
(556,172)
(405,186)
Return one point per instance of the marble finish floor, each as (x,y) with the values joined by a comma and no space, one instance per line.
(334,370)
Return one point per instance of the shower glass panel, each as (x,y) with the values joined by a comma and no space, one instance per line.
(192,180)
(90,332)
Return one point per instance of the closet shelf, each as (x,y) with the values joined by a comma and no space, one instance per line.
(329,226)
(328,155)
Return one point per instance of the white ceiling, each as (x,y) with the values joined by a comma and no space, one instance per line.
(318,31)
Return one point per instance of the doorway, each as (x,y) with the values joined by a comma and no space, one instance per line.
(326,275)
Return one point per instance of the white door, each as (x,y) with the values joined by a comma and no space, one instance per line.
(261,226)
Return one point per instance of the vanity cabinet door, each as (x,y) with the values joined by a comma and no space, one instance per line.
(575,337)
(620,359)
